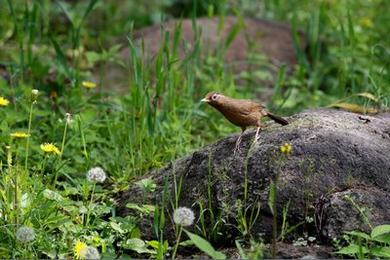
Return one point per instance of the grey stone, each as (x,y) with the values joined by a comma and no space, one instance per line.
(338,174)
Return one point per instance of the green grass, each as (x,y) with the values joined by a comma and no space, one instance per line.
(54,46)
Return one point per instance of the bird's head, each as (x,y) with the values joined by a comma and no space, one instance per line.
(213,99)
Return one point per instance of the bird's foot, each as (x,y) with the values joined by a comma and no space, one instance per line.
(257,136)
(237,149)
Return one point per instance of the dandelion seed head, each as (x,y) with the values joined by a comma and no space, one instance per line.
(34,95)
(96,174)
(25,234)
(68,118)
(92,253)
(183,216)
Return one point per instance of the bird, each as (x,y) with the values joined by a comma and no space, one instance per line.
(241,112)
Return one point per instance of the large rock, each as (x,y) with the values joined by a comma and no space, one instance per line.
(338,174)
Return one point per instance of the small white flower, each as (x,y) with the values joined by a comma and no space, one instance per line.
(25,234)
(96,174)
(183,216)
(92,253)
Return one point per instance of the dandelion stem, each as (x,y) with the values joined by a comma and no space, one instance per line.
(62,150)
(28,135)
(177,242)
(90,205)
(63,138)
(9,164)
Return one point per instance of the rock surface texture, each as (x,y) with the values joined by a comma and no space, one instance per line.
(337,174)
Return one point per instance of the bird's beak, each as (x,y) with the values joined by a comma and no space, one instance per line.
(205,100)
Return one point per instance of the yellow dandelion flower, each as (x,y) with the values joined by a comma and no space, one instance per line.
(19,135)
(80,250)
(88,84)
(286,148)
(4,102)
(50,148)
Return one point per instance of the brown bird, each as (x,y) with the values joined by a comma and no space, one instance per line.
(241,112)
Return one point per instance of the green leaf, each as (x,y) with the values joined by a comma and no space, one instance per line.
(146,209)
(117,227)
(154,244)
(272,196)
(385,238)
(381,252)
(137,245)
(351,250)
(380,230)
(205,246)
(359,234)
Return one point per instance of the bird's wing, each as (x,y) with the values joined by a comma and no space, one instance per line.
(247,107)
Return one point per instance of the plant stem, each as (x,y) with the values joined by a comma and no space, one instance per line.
(90,205)
(9,164)
(62,150)
(28,135)
(177,242)
(274,222)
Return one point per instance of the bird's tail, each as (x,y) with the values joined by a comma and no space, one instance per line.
(277,119)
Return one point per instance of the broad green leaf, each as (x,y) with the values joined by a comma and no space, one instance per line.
(117,227)
(359,234)
(351,250)
(153,243)
(385,238)
(380,230)
(381,252)
(205,246)
(137,245)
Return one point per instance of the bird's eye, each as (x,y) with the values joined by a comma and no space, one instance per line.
(214,97)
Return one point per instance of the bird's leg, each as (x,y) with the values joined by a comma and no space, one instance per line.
(257,136)
(238,142)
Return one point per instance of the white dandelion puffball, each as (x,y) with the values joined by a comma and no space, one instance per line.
(183,216)
(25,234)
(92,253)
(34,92)
(96,174)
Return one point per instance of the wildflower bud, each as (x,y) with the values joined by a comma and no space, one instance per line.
(286,148)
(96,174)
(183,216)
(92,253)
(25,234)
(34,95)
(68,118)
